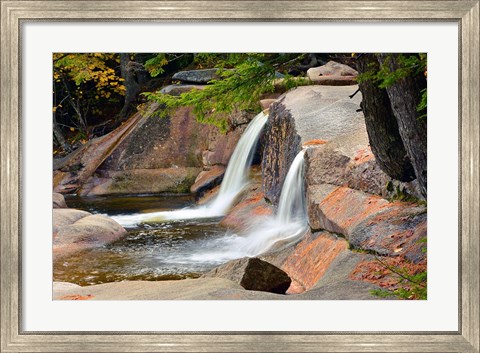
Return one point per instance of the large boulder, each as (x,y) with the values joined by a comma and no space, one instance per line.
(301,115)
(349,161)
(73,171)
(253,274)
(333,74)
(75,230)
(196,76)
(64,217)
(163,155)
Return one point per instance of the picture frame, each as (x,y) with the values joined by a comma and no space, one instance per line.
(15,339)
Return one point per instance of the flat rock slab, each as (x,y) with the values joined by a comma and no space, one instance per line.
(196,76)
(323,112)
(336,282)
(253,274)
(145,181)
(311,258)
(188,289)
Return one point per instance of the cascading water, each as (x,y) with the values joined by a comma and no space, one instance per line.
(235,179)
(287,226)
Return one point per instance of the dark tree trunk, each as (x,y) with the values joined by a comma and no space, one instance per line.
(132,88)
(405,95)
(382,128)
(58,134)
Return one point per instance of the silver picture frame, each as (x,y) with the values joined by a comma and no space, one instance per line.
(15,339)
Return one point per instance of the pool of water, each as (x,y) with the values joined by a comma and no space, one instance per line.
(156,251)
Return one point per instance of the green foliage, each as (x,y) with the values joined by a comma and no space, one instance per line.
(422,106)
(86,86)
(155,65)
(242,80)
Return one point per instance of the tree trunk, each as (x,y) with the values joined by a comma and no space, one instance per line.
(382,128)
(405,95)
(132,87)
(59,136)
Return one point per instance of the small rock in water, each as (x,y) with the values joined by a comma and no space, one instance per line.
(254,274)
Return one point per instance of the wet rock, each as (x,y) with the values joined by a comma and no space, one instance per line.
(196,76)
(76,230)
(176,90)
(333,74)
(208,179)
(301,115)
(58,201)
(254,274)
(250,206)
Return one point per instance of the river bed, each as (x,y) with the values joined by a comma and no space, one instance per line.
(155,251)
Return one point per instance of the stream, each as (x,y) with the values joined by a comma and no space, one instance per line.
(153,252)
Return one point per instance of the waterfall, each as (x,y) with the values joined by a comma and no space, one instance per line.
(235,179)
(287,226)
(291,207)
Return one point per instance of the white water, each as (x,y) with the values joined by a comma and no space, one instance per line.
(286,227)
(235,179)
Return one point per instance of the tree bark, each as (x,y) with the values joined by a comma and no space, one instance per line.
(57,132)
(382,128)
(132,88)
(405,95)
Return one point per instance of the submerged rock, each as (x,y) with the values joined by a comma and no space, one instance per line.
(254,274)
